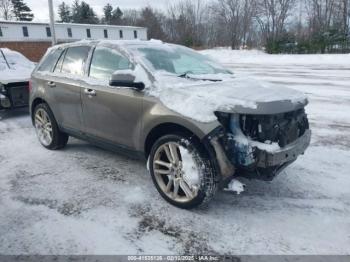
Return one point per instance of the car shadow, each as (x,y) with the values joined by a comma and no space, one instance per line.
(78,146)
(285,186)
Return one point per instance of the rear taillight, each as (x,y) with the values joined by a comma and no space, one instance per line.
(30,86)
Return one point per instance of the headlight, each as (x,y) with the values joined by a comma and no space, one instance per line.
(223,118)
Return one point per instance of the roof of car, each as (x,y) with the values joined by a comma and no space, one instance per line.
(137,42)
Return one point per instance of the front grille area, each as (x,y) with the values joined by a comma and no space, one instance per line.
(280,128)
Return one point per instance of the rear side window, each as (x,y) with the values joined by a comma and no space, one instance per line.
(75,59)
(59,64)
(0,32)
(50,61)
(106,61)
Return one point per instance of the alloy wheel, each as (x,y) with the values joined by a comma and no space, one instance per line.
(171,174)
(43,127)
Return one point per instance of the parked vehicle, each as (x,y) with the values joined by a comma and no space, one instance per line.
(15,70)
(198,124)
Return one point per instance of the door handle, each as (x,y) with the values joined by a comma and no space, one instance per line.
(89,92)
(51,84)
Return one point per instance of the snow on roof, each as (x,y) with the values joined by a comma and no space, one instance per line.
(120,43)
(71,24)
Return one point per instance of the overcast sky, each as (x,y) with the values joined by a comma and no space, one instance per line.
(41,12)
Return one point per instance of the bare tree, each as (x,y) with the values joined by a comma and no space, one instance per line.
(230,11)
(321,14)
(346,15)
(272,17)
(130,17)
(249,12)
(6,9)
(185,22)
(152,19)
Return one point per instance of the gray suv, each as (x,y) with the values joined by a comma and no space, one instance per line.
(196,123)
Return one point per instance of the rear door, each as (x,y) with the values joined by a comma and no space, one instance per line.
(65,86)
(112,114)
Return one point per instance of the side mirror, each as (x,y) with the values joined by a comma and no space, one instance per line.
(126,78)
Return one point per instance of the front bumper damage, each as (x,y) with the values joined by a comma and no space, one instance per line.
(238,156)
(14,95)
(286,154)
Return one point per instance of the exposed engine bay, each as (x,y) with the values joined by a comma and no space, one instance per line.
(14,95)
(282,129)
(261,146)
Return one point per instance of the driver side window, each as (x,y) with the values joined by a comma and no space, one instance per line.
(105,62)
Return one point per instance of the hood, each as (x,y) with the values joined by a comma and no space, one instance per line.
(11,75)
(199,100)
(20,67)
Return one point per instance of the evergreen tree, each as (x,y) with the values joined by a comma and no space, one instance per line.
(75,11)
(87,14)
(108,13)
(117,16)
(82,13)
(64,13)
(21,11)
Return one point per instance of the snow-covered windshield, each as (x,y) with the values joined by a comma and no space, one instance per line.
(14,66)
(178,60)
(14,59)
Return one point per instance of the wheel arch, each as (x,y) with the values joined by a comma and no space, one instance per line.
(33,105)
(164,129)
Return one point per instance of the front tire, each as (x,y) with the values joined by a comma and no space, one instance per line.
(182,171)
(47,129)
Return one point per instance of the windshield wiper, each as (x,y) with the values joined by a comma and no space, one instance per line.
(3,55)
(187,75)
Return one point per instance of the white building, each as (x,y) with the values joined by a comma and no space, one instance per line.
(32,39)
(29,31)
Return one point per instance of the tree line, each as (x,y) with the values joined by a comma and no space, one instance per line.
(15,9)
(279,26)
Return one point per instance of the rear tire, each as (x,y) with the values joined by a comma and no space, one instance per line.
(47,129)
(182,171)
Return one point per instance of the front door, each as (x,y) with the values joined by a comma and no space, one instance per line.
(112,114)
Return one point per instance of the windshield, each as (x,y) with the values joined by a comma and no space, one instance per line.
(180,61)
(12,59)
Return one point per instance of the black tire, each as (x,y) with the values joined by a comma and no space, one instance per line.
(208,175)
(59,139)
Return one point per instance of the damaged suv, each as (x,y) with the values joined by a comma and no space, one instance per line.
(15,71)
(198,125)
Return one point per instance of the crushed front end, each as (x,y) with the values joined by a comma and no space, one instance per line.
(260,146)
(14,95)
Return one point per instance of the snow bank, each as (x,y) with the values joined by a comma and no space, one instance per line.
(20,67)
(228,56)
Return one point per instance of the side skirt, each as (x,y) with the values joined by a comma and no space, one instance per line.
(105,144)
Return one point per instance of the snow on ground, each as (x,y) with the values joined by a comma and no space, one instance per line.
(84,200)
